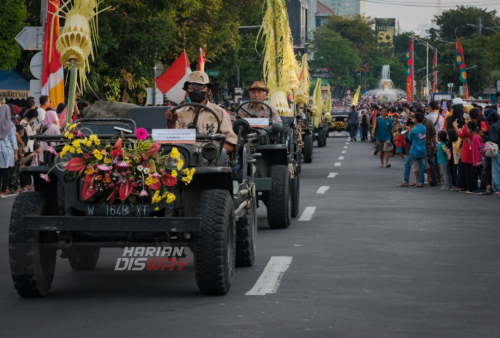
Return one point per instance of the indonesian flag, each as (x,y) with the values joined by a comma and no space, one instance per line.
(172,80)
(52,73)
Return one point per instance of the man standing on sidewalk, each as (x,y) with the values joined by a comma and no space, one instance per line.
(383,134)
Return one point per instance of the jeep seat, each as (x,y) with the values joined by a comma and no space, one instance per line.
(149,117)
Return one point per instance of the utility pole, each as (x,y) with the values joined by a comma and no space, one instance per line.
(427,71)
(479,25)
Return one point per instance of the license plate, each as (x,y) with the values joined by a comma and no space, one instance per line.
(118,210)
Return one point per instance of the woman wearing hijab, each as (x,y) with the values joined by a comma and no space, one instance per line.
(8,148)
(50,127)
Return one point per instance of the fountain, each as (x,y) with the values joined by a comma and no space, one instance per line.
(385,90)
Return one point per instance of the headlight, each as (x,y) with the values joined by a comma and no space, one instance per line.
(171,162)
(210,151)
(61,162)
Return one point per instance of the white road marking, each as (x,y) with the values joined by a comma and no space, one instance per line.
(343,151)
(307,214)
(347,143)
(322,189)
(297,245)
(345,147)
(270,279)
(332,175)
(337,164)
(341,157)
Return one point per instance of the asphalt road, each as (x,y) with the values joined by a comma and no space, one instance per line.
(373,261)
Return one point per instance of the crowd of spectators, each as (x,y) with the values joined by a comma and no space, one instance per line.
(17,150)
(452,143)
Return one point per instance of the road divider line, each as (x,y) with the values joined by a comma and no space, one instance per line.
(307,214)
(323,189)
(337,164)
(343,151)
(345,147)
(332,175)
(270,279)
(341,157)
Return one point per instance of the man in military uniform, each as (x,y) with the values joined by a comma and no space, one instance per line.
(198,88)
(258,92)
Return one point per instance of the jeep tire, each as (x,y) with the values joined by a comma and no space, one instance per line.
(295,195)
(32,254)
(246,236)
(308,148)
(279,201)
(215,249)
(321,138)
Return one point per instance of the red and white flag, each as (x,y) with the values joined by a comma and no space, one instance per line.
(202,60)
(172,80)
(52,73)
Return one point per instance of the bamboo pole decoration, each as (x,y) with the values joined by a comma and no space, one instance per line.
(75,44)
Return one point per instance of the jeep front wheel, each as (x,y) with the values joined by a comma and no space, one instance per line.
(214,256)
(246,235)
(32,254)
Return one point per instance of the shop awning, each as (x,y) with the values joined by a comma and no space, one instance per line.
(13,86)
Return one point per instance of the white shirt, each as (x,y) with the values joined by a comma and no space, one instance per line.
(40,118)
(432,117)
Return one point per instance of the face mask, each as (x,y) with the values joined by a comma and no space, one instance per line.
(466,116)
(197,96)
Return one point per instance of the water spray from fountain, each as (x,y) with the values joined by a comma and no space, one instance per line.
(386,90)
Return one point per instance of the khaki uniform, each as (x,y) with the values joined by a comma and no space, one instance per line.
(207,124)
(263,110)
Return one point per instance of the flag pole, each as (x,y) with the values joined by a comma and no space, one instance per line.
(412,70)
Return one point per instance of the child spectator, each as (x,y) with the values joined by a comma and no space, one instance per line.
(400,139)
(443,156)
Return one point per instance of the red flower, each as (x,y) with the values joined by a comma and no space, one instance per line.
(86,156)
(153,150)
(168,180)
(118,144)
(76,164)
(87,191)
(141,133)
(117,153)
(155,186)
(125,190)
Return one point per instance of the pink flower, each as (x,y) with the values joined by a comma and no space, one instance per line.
(45,177)
(103,167)
(154,149)
(141,133)
(143,193)
(123,165)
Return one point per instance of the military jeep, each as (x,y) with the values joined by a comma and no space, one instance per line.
(215,215)
(277,179)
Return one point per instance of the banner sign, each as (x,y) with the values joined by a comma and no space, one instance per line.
(385,29)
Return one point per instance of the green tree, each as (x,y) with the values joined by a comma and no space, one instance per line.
(478,77)
(333,51)
(12,20)
(459,18)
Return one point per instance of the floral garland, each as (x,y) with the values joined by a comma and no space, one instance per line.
(128,169)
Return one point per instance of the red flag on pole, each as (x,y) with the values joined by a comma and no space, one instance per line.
(52,73)
(201,60)
(460,61)
(172,80)
(409,72)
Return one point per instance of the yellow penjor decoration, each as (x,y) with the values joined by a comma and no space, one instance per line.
(280,65)
(301,96)
(355,99)
(328,105)
(75,43)
(317,107)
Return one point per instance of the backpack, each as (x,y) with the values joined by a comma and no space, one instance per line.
(363,120)
(490,149)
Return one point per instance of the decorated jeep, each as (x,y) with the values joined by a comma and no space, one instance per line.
(108,183)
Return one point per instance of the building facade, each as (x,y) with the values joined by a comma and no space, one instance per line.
(347,7)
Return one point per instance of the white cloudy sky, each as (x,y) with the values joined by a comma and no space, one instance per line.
(412,16)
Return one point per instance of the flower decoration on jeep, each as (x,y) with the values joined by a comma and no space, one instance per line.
(127,170)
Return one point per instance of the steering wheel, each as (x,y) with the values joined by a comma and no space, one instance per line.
(253,114)
(197,114)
